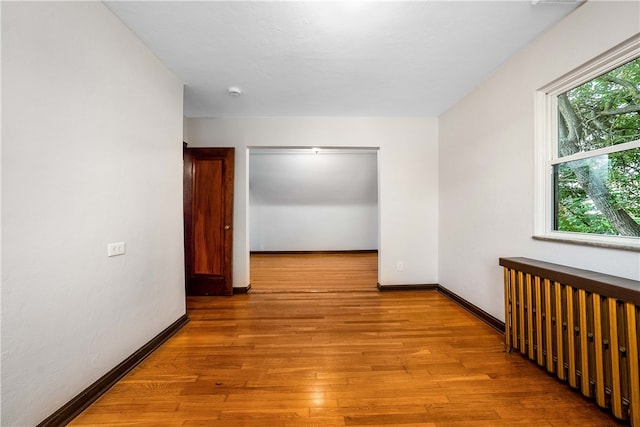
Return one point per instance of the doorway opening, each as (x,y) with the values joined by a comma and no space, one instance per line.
(313,219)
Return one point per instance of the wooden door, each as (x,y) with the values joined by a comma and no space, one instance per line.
(208,220)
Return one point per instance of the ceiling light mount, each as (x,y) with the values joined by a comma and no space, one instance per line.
(234,91)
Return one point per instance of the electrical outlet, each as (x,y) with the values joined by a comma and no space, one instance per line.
(400,266)
(115,249)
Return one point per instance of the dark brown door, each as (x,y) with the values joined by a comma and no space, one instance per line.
(208,216)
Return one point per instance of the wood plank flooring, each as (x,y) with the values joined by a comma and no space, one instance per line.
(410,358)
(314,272)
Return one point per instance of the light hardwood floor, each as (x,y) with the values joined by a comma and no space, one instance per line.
(314,272)
(358,358)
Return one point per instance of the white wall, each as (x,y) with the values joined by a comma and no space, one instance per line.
(91,154)
(487,163)
(1,97)
(408,174)
(313,227)
(305,201)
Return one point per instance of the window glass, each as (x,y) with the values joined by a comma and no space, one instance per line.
(596,170)
(599,194)
(602,112)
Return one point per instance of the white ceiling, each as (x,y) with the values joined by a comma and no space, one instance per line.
(329,58)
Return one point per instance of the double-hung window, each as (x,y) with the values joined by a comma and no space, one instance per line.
(588,152)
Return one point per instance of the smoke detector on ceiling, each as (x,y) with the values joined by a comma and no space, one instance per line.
(234,91)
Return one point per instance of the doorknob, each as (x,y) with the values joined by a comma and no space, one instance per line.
(227,227)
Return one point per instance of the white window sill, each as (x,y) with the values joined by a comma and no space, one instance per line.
(627,244)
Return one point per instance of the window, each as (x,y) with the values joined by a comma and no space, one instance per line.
(588,152)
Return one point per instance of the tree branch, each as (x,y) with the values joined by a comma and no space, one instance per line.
(572,128)
(624,83)
(623,110)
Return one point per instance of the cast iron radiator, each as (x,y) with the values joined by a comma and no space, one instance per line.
(581,326)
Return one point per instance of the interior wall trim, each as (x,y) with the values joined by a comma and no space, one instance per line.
(80,402)
(242,289)
(487,318)
(351,251)
(494,322)
(424,287)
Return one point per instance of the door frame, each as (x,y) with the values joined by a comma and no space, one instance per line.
(302,148)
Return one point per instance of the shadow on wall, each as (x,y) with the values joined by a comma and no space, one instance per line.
(311,199)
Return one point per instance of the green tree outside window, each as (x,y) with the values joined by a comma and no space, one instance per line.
(600,194)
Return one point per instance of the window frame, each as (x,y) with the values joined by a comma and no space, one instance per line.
(546,147)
